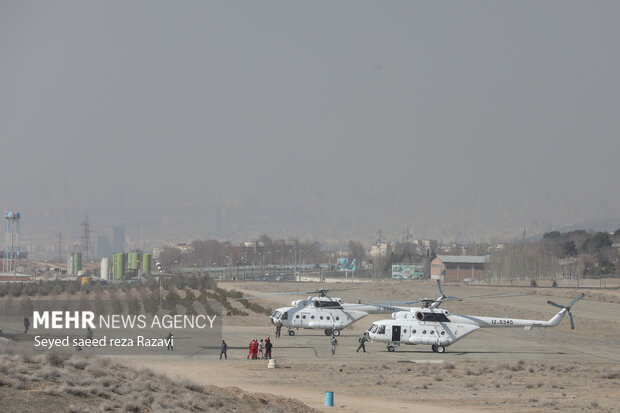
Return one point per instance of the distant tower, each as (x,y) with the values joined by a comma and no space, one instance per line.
(86,245)
(118,239)
(407,236)
(11,242)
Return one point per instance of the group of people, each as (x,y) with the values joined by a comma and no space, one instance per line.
(260,349)
(257,349)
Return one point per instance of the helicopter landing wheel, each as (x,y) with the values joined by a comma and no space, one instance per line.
(434,347)
(390,349)
(336,332)
(441,349)
(291,333)
(328,332)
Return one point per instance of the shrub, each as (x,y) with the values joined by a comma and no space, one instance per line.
(57,288)
(55,360)
(29,289)
(16,289)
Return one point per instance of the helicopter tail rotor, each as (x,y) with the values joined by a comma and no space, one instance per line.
(567,308)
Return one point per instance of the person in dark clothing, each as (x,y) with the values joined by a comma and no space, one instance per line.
(363,339)
(223,350)
(268,347)
(26,325)
(170,339)
(278,328)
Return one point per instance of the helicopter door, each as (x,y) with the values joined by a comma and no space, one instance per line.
(395,333)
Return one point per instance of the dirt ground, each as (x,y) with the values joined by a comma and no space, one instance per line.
(493,369)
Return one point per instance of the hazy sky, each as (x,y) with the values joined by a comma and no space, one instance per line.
(344,116)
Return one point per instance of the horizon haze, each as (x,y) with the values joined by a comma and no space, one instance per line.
(464,121)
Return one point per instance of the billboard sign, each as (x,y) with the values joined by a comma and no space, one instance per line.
(346,264)
(407,271)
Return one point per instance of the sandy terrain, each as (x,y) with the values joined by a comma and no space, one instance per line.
(493,369)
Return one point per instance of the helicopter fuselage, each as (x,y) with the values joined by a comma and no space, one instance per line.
(441,328)
(328,313)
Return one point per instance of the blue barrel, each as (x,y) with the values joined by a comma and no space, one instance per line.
(329,399)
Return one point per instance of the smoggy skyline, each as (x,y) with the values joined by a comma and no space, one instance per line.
(326,120)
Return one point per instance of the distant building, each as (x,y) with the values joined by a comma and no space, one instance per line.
(249,244)
(184,247)
(569,267)
(459,267)
(157,252)
(118,239)
(427,246)
(104,247)
(379,250)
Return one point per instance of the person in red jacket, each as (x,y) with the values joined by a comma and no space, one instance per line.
(253,353)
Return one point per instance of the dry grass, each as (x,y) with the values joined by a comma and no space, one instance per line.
(496,385)
(91,383)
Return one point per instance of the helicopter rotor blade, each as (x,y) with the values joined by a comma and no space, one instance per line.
(579,297)
(440,289)
(555,304)
(572,322)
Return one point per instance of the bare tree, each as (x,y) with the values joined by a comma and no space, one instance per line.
(357,251)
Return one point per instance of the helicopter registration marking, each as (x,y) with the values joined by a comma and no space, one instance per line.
(501,322)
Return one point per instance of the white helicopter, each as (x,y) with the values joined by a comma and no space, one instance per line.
(440,328)
(330,314)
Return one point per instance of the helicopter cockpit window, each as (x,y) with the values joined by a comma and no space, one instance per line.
(285,315)
(276,314)
(381,330)
(373,328)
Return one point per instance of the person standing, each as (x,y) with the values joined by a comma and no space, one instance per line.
(26,325)
(253,350)
(268,347)
(363,339)
(261,348)
(223,350)
(334,343)
(278,328)
(170,342)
